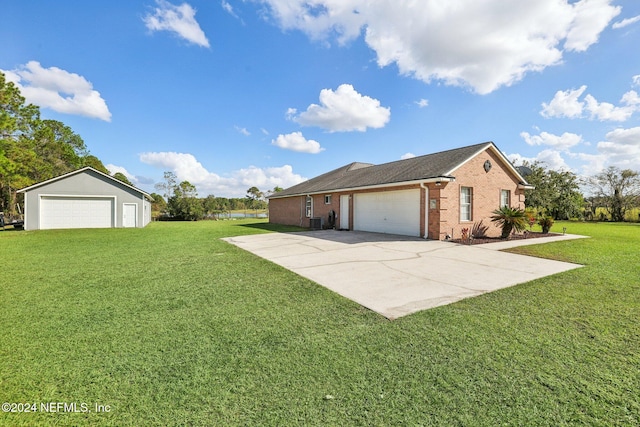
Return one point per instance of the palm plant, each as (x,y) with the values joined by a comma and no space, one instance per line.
(509,219)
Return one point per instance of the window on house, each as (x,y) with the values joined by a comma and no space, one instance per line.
(327,199)
(309,206)
(465,204)
(505,198)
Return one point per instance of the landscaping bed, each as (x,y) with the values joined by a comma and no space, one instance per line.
(518,236)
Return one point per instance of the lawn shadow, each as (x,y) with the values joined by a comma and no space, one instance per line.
(11,228)
(278,228)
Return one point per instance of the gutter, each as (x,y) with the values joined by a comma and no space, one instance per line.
(437,180)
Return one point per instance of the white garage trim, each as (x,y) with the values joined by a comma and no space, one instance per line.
(393,212)
(129,215)
(76,211)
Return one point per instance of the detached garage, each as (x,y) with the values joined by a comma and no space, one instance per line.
(85,198)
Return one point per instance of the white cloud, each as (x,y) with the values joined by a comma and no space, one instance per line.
(407,156)
(559,142)
(228,8)
(622,148)
(626,22)
(113,169)
(342,111)
(188,168)
(593,163)
(243,131)
(422,103)
(297,142)
(59,90)
(607,111)
(636,80)
(567,104)
(177,19)
(551,158)
(483,45)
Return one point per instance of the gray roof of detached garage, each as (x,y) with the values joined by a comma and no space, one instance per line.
(357,175)
(82,170)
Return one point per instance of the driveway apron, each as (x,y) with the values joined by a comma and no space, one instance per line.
(397,275)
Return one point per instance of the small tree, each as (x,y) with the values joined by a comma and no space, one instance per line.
(617,190)
(509,219)
(184,204)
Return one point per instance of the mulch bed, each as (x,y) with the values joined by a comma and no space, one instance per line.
(525,235)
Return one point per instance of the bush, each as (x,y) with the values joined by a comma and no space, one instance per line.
(546,222)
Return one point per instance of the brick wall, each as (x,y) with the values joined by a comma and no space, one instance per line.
(485,187)
(288,211)
(444,219)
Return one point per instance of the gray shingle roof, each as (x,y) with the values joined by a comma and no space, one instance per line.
(357,175)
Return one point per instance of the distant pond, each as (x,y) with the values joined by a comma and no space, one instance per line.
(229,215)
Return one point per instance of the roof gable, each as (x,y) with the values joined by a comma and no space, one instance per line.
(431,166)
(85,170)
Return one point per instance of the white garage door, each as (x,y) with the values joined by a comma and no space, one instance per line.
(76,212)
(393,212)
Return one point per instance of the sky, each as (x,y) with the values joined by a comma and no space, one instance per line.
(231,94)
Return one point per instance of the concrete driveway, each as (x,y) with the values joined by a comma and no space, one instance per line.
(398,275)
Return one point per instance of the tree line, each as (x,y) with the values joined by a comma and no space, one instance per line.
(180,201)
(33,149)
(613,193)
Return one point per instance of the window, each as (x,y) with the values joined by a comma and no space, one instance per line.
(465,203)
(309,206)
(505,198)
(327,199)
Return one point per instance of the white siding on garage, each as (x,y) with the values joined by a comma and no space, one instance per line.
(76,212)
(393,212)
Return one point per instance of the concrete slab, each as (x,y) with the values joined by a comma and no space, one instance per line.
(399,275)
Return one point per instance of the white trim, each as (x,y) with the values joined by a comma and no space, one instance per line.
(426,211)
(505,161)
(369,187)
(309,213)
(344,211)
(87,168)
(114,217)
(470,204)
(25,225)
(135,224)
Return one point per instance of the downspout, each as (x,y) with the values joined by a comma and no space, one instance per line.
(426,210)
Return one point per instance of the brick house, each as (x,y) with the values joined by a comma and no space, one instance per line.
(429,196)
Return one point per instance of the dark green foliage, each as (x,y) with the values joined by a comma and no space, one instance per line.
(122,177)
(184,203)
(557,193)
(509,219)
(615,190)
(479,230)
(33,149)
(546,222)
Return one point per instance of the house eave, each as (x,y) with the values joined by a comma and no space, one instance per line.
(435,180)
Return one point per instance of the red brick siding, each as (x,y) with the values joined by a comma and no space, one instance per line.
(443,220)
(486,187)
(288,211)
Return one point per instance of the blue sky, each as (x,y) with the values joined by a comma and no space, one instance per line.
(233,94)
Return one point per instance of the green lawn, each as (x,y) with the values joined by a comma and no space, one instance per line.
(169,325)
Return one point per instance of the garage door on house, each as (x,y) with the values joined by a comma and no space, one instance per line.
(76,212)
(393,212)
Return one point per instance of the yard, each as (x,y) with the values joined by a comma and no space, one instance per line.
(169,325)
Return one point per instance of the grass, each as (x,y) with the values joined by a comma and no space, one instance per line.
(169,325)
